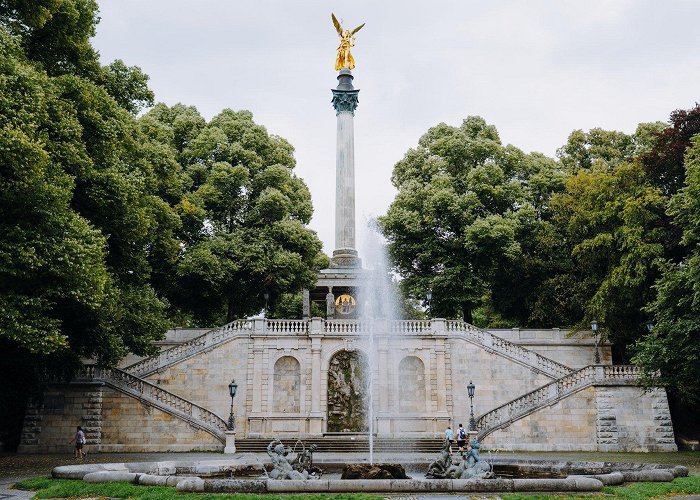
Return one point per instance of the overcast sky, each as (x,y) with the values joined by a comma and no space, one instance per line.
(535,69)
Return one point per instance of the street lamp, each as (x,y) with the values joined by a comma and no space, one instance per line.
(232,387)
(594,327)
(429,296)
(267,297)
(470,390)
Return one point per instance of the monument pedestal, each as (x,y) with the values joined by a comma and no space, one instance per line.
(230,447)
(345,258)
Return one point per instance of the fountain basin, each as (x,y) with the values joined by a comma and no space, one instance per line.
(214,476)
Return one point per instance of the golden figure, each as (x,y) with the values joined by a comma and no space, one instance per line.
(347,40)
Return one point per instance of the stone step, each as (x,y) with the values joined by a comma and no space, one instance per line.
(349,445)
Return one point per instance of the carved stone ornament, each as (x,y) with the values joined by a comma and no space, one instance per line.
(345,101)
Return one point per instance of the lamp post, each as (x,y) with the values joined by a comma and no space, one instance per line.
(267,297)
(429,296)
(232,387)
(594,327)
(470,390)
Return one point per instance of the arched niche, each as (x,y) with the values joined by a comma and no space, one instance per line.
(287,385)
(411,384)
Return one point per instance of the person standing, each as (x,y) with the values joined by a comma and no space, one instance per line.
(461,439)
(449,437)
(79,439)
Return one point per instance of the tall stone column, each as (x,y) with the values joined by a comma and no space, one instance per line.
(345,102)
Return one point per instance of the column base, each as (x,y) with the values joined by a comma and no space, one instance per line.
(230,447)
(345,258)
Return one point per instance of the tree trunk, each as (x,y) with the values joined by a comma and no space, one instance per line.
(229,310)
(467,312)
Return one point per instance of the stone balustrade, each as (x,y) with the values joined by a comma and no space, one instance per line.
(347,327)
(157,397)
(553,392)
(191,348)
(508,349)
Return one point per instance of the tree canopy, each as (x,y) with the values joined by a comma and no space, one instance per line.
(606,230)
(114,227)
(466,214)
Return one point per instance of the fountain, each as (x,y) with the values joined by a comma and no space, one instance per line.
(378,306)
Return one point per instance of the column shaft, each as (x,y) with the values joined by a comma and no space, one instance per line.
(345,182)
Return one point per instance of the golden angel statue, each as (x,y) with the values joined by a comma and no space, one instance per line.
(347,40)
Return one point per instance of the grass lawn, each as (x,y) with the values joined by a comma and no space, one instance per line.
(64,488)
(47,487)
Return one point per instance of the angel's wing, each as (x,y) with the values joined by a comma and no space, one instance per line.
(357,29)
(337,25)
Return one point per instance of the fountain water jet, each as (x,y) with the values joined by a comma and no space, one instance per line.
(379,306)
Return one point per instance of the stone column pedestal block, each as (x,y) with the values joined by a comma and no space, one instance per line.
(230,447)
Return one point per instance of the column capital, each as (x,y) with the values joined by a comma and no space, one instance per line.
(345,101)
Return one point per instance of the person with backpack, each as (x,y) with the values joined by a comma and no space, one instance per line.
(461,439)
(79,439)
(449,437)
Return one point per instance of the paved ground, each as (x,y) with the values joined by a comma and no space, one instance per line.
(14,467)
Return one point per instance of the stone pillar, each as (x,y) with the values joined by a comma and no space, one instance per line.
(316,416)
(384,413)
(345,102)
(230,447)
(306,310)
(439,330)
(441,379)
(257,374)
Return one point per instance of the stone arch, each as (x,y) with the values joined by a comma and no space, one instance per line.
(412,384)
(287,385)
(348,384)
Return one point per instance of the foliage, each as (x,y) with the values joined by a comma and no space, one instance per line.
(66,488)
(610,218)
(464,200)
(243,215)
(670,353)
(609,231)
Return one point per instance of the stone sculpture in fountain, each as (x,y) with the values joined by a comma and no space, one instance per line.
(471,466)
(283,467)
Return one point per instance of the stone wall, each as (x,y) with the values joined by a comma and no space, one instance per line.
(569,425)
(421,370)
(497,379)
(49,427)
(598,418)
(631,419)
(130,426)
(204,378)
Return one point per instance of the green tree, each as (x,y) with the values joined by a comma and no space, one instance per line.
(610,219)
(670,353)
(464,199)
(243,216)
(84,219)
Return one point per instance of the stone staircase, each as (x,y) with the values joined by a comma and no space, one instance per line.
(243,328)
(186,350)
(552,393)
(349,444)
(497,345)
(155,396)
(131,381)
